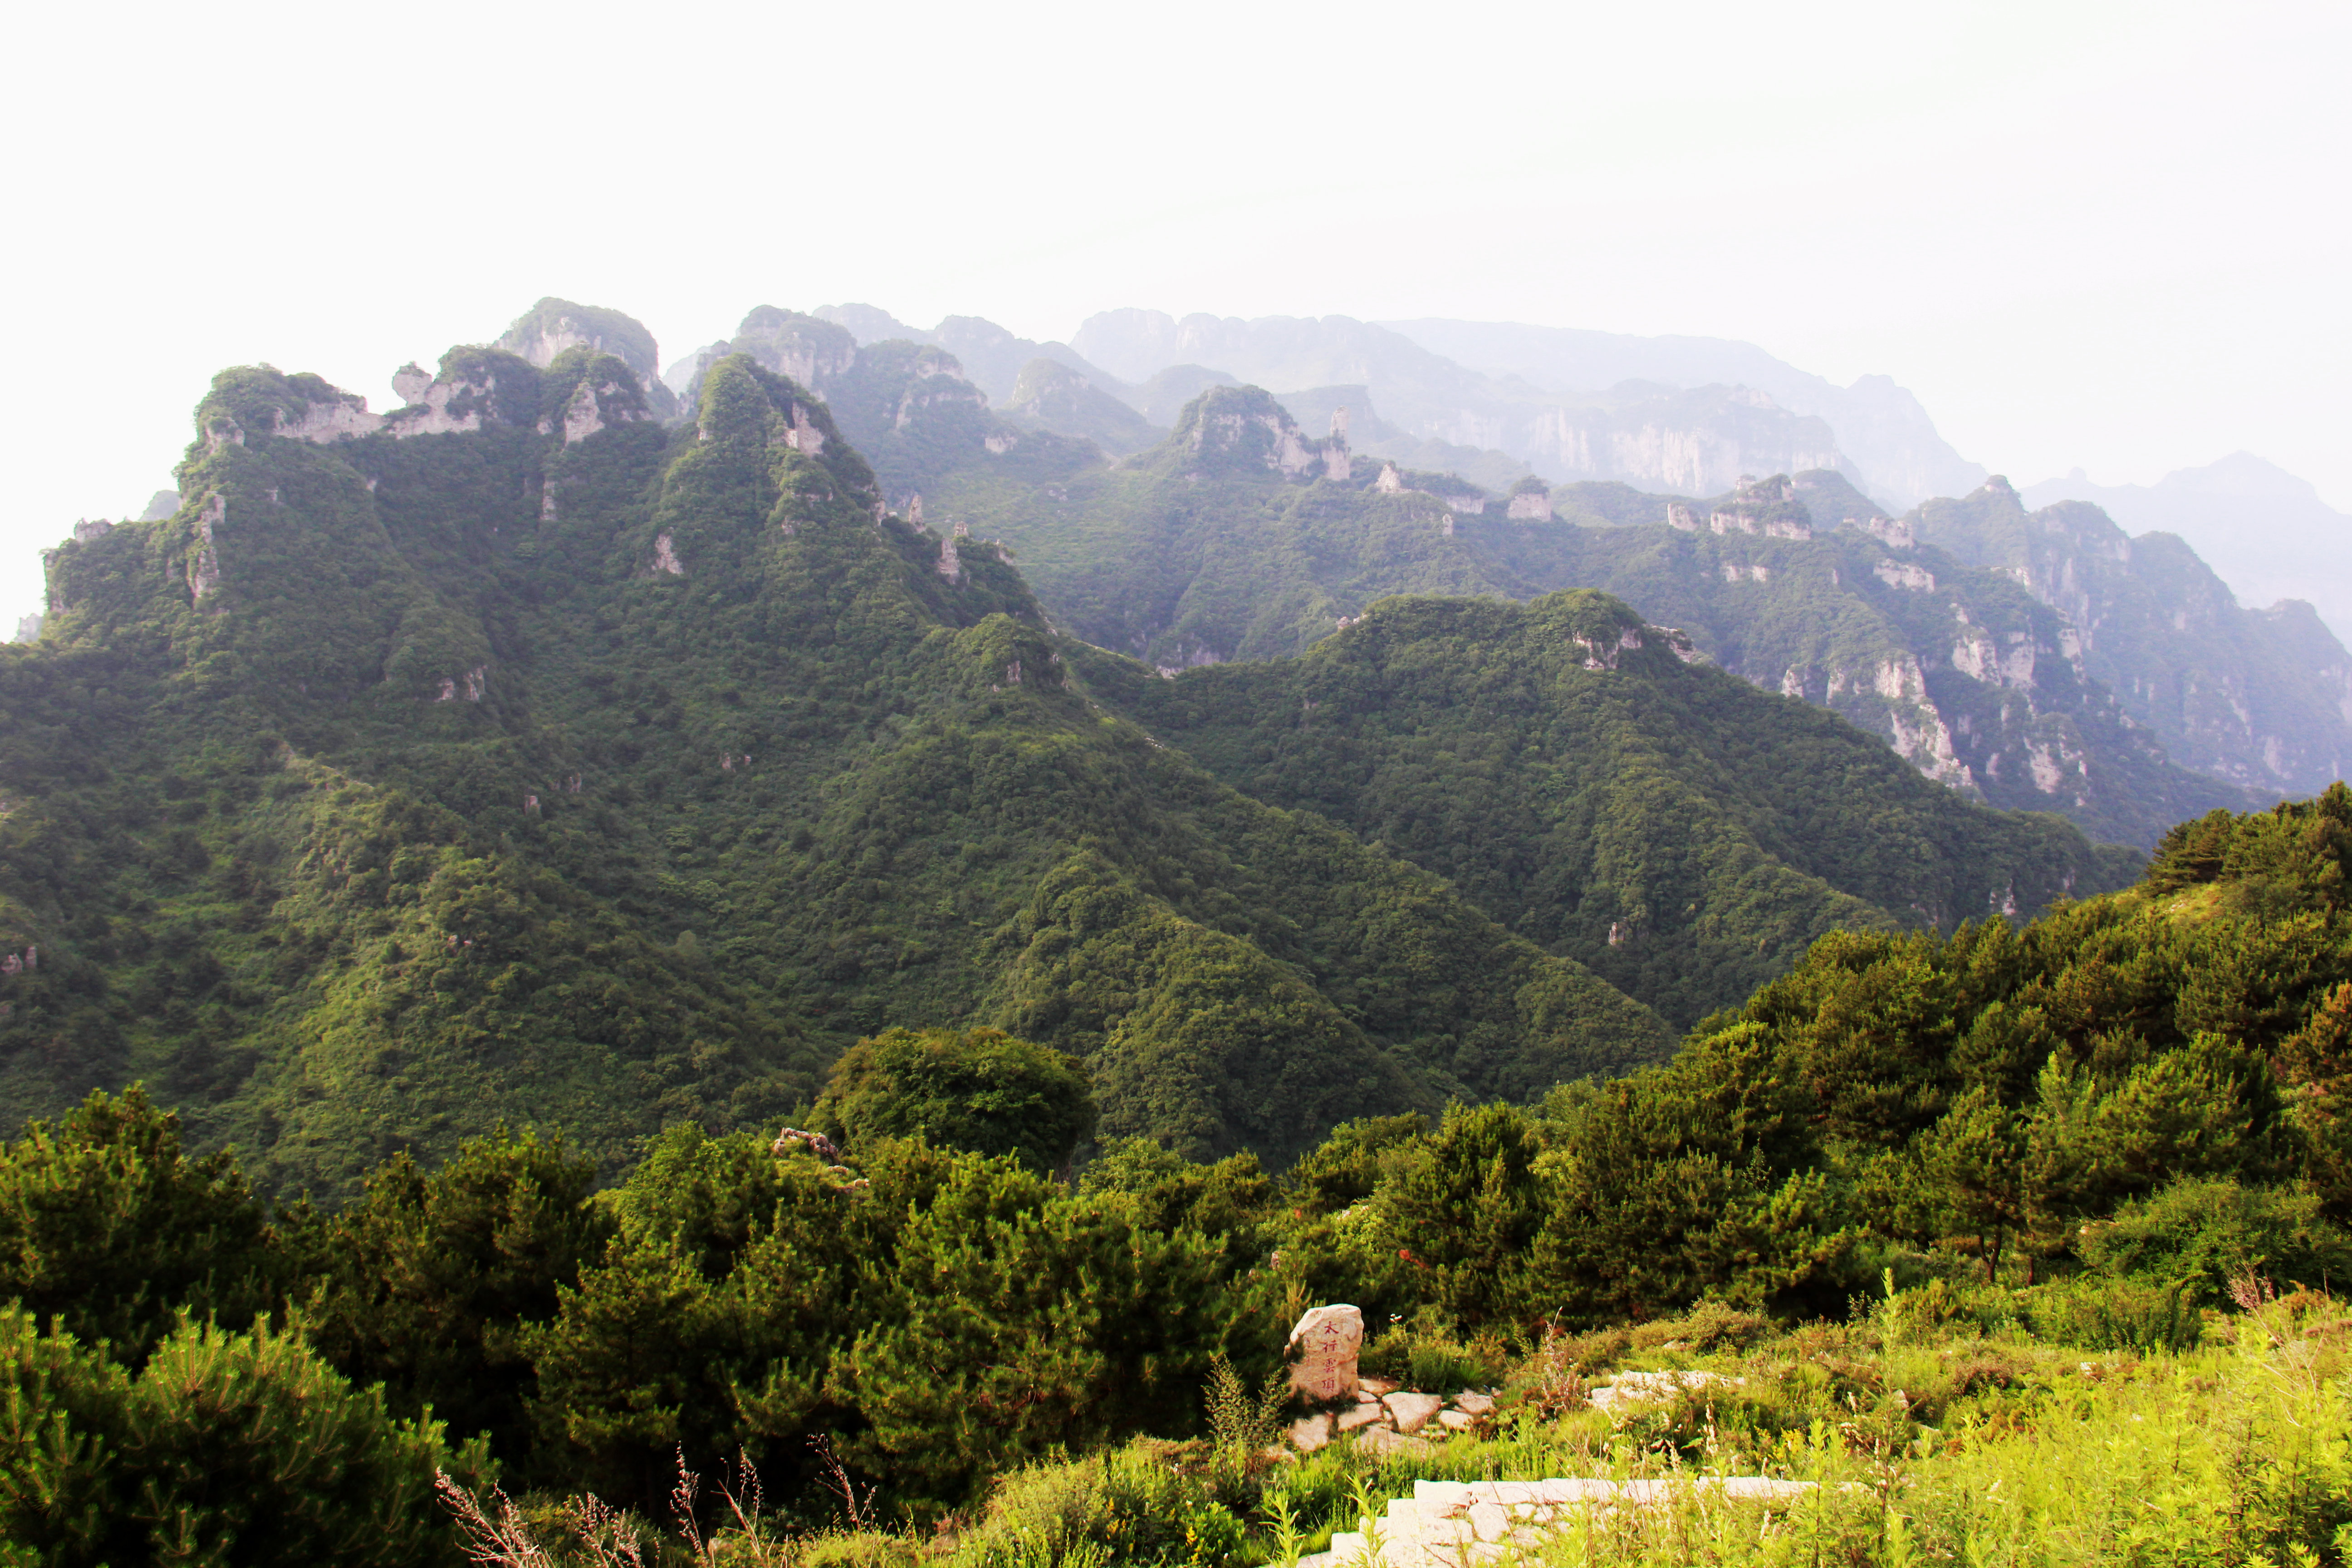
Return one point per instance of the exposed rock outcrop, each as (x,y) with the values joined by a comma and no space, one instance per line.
(1531,502)
(203,563)
(541,334)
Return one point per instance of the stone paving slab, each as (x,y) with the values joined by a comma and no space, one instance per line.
(1452,1524)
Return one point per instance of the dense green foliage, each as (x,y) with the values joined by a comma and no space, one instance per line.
(981,1090)
(108,1228)
(226,1447)
(2097,1129)
(607,777)
(1181,557)
(1683,834)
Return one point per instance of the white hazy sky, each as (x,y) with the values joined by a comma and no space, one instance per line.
(2113,236)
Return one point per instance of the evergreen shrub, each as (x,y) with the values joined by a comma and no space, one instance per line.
(228,1448)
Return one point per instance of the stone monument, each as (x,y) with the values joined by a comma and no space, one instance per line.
(1325,1343)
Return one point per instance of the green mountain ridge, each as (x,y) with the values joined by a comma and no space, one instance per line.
(521,755)
(1577,773)
(1802,586)
(527,759)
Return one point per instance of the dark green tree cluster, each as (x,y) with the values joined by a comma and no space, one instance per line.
(189,1365)
(2145,1083)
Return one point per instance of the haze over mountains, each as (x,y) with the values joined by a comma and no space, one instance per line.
(2265,531)
(570,740)
(1685,415)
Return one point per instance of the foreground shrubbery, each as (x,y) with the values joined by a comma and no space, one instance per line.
(1927,1440)
(2092,1133)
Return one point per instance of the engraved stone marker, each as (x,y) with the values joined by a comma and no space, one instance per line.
(1326,1342)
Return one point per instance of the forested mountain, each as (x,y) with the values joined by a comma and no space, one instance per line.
(1187,554)
(1577,774)
(2260,696)
(515,757)
(1952,667)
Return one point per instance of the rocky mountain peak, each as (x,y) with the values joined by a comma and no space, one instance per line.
(1239,430)
(552,326)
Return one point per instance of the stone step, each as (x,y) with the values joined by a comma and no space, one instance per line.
(1447,1524)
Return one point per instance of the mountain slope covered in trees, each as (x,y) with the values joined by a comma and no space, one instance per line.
(1685,836)
(1184,555)
(525,759)
(1913,627)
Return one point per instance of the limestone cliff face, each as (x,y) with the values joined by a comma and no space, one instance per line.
(552,328)
(549,327)
(907,406)
(2261,698)
(811,352)
(473,389)
(1696,442)
(1230,429)
(1802,587)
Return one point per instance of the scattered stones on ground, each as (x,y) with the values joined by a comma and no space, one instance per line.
(1385,1415)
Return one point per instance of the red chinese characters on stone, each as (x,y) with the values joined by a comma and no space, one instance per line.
(1323,1351)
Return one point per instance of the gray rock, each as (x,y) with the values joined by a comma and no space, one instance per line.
(1412,1411)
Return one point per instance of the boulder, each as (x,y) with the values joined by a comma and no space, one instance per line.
(1323,1346)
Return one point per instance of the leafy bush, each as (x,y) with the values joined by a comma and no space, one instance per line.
(2129,1313)
(979,1090)
(238,1447)
(433,1280)
(2214,1230)
(1420,1353)
(109,1227)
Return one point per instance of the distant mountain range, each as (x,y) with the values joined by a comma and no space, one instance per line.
(1495,401)
(2149,664)
(2265,532)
